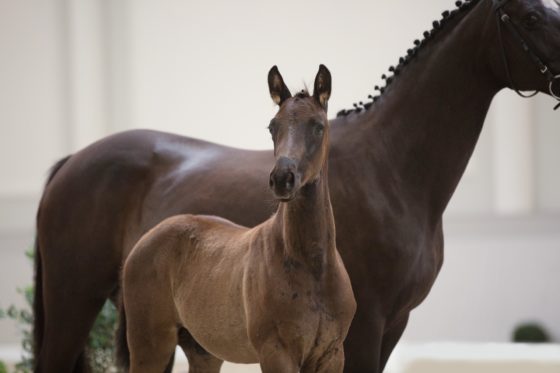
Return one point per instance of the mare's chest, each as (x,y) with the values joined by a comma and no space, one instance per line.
(390,253)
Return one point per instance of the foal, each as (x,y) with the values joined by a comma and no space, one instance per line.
(277,294)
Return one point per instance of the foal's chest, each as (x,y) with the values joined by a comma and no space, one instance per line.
(304,312)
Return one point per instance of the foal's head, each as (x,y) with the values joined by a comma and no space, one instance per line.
(300,131)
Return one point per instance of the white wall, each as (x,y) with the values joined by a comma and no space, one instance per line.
(72,71)
(200,68)
(33,132)
(31,93)
(497,273)
(547,153)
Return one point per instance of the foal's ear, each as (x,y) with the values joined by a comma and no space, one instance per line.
(322,87)
(278,90)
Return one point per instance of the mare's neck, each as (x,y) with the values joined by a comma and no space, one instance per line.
(307,225)
(423,129)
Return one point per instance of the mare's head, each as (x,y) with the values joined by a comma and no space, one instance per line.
(300,131)
(533,25)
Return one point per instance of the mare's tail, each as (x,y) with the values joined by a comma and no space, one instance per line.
(38,306)
(121,344)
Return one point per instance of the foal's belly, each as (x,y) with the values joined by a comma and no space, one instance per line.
(210,307)
(224,337)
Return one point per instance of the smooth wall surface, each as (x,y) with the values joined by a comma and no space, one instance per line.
(73,71)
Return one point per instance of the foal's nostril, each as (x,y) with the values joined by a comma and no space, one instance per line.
(282,181)
(283,178)
(290,180)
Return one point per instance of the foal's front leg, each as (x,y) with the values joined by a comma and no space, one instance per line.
(275,358)
(333,363)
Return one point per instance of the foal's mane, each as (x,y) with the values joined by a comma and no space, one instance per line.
(411,53)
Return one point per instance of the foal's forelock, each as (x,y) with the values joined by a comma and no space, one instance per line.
(304,93)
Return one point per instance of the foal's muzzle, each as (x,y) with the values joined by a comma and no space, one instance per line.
(283,179)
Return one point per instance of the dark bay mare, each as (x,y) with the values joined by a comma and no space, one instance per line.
(277,294)
(393,167)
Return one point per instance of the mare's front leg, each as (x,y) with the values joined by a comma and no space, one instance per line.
(390,339)
(362,346)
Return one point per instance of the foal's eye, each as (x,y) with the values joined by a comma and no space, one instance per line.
(318,129)
(531,20)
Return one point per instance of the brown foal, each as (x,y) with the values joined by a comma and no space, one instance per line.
(277,294)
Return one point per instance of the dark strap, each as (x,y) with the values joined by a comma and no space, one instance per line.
(540,64)
(505,60)
(504,18)
(551,89)
(498,4)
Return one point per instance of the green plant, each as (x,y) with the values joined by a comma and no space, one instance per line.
(100,347)
(530,333)
(24,319)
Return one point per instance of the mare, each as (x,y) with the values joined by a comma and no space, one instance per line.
(277,294)
(394,164)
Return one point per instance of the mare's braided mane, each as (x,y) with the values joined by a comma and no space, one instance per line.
(395,71)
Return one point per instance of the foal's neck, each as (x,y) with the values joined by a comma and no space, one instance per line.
(307,225)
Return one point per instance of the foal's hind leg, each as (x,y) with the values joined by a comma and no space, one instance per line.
(200,360)
(151,328)
(152,337)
